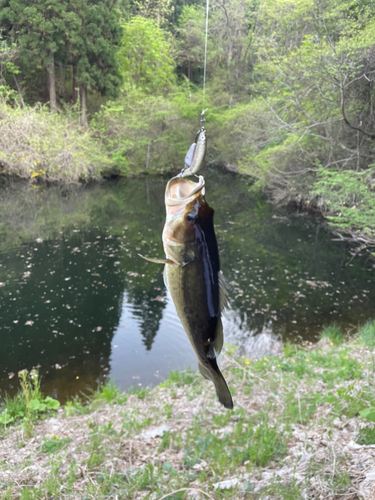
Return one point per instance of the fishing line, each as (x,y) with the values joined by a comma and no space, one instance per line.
(196,153)
(205,56)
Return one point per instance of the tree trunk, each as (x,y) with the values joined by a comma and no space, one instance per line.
(51,83)
(83,106)
(22,104)
(74,85)
(148,156)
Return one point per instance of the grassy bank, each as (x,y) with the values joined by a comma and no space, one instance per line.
(38,145)
(296,432)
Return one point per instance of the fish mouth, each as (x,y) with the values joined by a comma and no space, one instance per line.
(181,191)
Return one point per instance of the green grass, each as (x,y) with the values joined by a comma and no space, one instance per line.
(140,392)
(279,491)
(109,393)
(53,444)
(332,333)
(367,333)
(290,349)
(329,366)
(243,442)
(12,409)
(179,378)
(106,393)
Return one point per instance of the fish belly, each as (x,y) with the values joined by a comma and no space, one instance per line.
(191,299)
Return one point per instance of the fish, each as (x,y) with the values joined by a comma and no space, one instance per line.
(192,274)
(197,151)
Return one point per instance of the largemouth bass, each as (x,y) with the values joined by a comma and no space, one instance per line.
(192,274)
(196,154)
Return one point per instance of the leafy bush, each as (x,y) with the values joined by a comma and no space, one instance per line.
(35,144)
(28,403)
(147,133)
(348,198)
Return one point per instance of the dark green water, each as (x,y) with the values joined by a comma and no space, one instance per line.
(78,302)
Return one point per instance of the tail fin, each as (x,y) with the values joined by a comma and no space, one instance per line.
(213,373)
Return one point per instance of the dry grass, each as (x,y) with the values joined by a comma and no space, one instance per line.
(37,145)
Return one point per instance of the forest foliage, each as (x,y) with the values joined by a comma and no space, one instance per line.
(289,92)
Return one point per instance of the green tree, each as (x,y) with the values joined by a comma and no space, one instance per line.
(35,26)
(93,41)
(317,58)
(190,36)
(81,36)
(232,57)
(7,56)
(144,57)
(158,10)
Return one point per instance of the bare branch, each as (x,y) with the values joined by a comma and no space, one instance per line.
(359,129)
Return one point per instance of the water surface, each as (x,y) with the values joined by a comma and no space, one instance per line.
(77,302)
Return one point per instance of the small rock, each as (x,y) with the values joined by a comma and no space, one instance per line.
(226,485)
(201,466)
(337,422)
(155,432)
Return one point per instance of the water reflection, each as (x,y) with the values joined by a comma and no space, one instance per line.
(77,301)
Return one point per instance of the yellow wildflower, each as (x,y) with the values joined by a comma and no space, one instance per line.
(293,360)
(247,361)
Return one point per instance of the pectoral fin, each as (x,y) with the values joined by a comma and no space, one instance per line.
(223,291)
(157,261)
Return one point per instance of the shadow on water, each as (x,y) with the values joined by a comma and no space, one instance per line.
(78,302)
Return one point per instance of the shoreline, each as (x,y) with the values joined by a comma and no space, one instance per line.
(292,434)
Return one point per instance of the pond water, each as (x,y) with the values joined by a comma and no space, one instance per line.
(77,302)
